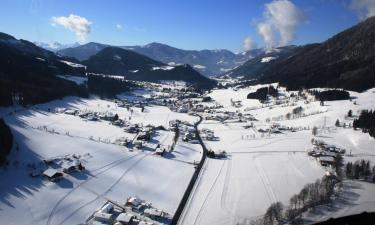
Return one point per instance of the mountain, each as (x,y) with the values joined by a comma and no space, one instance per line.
(28,69)
(134,66)
(347,60)
(207,62)
(256,66)
(55,46)
(82,52)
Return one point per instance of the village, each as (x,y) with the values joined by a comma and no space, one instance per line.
(113,153)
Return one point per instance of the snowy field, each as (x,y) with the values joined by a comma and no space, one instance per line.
(262,170)
(112,171)
(259,169)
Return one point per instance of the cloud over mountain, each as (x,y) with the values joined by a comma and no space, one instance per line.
(80,26)
(364,8)
(281,19)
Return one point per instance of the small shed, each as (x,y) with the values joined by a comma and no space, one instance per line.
(52,174)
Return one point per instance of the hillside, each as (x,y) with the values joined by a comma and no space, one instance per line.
(347,60)
(259,64)
(134,66)
(30,71)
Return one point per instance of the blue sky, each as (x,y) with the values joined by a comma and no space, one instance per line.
(187,24)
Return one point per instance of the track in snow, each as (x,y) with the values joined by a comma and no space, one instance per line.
(202,208)
(112,165)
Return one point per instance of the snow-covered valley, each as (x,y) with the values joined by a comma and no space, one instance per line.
(260,168)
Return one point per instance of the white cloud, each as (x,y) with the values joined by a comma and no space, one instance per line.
(119,26)
(281,19)
(364,8)
(77,24)
(249,44)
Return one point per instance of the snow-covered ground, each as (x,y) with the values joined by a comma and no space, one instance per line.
(261,170)
(112,171)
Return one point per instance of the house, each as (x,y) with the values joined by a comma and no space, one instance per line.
(145,223)
(133,202)
(118,123)
(71,111)
(145,136)
(125,218)
(136,204)
(326,160)
(52,174)
(159,151)
(153,213)
(70,166)
(103,217)
(138,144)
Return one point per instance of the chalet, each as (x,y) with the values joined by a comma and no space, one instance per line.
(125,218)
(52,174)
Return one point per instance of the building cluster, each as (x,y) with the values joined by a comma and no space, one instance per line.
(55,168)
(134,211)
(325,154)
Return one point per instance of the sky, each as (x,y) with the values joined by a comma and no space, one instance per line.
(236,25)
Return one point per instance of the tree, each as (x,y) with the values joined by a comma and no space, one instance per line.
(350,113)
(314,131)
(274,213)
(337,124)
(302,196)
(6,141)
